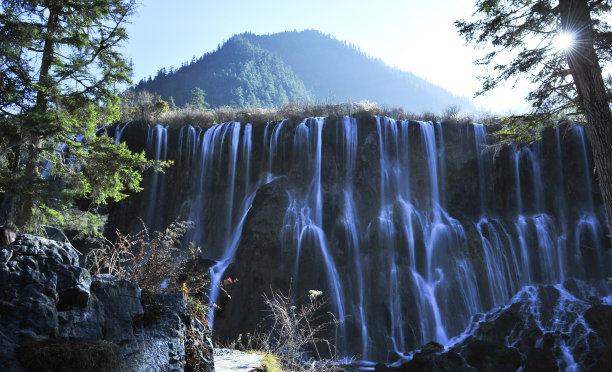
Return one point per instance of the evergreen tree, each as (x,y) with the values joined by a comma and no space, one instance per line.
(198,99)
(171,103)
(561,47)
(59,67)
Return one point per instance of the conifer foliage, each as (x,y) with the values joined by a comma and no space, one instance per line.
(61,70)
(562,47)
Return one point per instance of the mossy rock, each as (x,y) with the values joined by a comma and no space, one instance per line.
(271,364)
(67,355)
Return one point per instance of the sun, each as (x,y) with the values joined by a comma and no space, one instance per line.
(564,41)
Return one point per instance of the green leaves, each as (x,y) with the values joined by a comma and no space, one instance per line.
(60,68)
(198,99)
(519,36)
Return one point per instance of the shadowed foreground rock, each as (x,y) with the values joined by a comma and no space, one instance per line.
(48,299)
(545,328)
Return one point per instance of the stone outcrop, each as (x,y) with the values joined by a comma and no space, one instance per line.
(545,328)
(46,296)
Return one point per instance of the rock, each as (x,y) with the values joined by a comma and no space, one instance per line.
(432,347)
(172,338)
(489,356)
(227,360)
(121,302)
(599,318)
(48,298)
(540,359)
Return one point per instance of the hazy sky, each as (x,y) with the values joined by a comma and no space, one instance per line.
(413,35)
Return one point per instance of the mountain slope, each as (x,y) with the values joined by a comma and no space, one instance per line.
(270,70)
(237,74)
(332,68)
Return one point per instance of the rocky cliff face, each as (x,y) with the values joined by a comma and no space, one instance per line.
(48,302)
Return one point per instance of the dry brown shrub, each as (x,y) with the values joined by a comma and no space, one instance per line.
(149,260)
(296,333)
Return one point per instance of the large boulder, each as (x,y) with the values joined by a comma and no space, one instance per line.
(48,303)
(168,336)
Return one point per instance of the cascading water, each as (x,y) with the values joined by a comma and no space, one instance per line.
(588,226)
(370,215)
(157,146)
(348,129)
(119,131)
(304,217)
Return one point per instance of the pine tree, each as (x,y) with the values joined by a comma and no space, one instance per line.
(171,103)
(198,99)
(569,80)
(60,70)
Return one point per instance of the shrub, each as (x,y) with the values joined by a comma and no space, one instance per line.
(296,331)
(149,260)
(154,262)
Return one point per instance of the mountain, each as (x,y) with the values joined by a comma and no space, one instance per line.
(270,70)
(239,74)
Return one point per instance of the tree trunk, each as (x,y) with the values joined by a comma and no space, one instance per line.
(34,147)
(587,75)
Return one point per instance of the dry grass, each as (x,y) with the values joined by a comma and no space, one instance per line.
(299,111)
(206,118)
(295,336)
(142,106)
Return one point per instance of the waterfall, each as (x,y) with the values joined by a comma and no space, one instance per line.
(119,131)
(271,146)
(398,222)
(589,226)
(157,146)
(350,222)
(305,215)
(484,165)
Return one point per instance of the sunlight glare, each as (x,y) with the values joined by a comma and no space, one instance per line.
(564,41)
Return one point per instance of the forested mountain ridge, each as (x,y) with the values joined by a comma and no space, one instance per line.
(270,70)
(238,74)
(331,67)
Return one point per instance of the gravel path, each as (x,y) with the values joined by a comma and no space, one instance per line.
(227,360)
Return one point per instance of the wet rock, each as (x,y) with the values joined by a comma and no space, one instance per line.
(598,350)
(423,362)
(542,330)
(432,347)
(541,360)
(260,244)
(489,356)
(599,318)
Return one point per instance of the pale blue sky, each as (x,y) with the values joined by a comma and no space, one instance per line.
(413,35)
